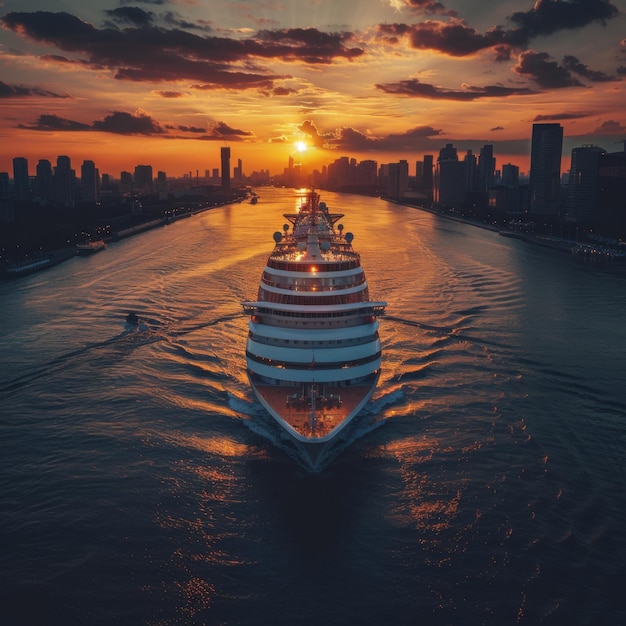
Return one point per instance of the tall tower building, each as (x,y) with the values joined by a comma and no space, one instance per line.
(7,210)
(428,175)
(471,171)
(44,182)
(225,155)
(238,172)
(510,175)
(64,182)
(581,204)
(451,178)
(89,182)
(142,179)
(21,180)
(486,168)
(398,182)
(545,169)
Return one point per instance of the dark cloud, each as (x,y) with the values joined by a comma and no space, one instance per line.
(549,16)
(496,128)
(429,7)
(146,52)
(572,64)
(453,38)
(415,88)
(222,130)
(117,122)
(126,124)
(545,72)
(283,91)
(456,38)
(610,127)
(555,117)
(353,139)
(311,44)
(54,122)
(20,91)
(317,140)
(192,129)
(131,15)
(171,94)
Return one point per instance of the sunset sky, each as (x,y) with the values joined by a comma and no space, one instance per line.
(169,82)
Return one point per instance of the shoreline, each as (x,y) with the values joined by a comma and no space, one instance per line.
(545,241)
(51,258)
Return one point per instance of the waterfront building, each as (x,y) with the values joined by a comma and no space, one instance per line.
(21,180)
(43,188)
(64,183)
(510,175)
(486,168)
(545,169)
(126,182)
(7,211)
(143,180)
(89,182)
(225,156)
(450,178)
(398,180)
(581,203)
(612,193)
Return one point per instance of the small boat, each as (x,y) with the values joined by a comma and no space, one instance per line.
(89,247)
(132,318)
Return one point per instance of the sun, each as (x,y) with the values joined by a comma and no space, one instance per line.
(300,146)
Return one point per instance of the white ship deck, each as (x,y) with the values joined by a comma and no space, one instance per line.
(313,418)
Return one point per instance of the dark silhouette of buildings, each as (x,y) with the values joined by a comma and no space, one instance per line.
(225,157)
(21,180)
(64,183)
(545,169)
(89,182)
(582,194)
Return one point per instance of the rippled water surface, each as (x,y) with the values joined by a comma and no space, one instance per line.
(140,482)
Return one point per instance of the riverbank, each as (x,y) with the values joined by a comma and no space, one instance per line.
(49,258)
(545,241)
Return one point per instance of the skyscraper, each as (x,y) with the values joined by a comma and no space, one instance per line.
(64,181)
(44,182)
(545,169)
(225,154)
(21,181)
(451,178)
(89,182)
(581,205)
(428,175)
(486,168)
(142,179)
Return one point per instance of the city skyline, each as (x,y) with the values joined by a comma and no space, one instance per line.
(173,82)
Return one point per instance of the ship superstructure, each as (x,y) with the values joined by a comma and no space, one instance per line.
(313,352)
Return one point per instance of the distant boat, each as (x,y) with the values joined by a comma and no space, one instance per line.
(89,247)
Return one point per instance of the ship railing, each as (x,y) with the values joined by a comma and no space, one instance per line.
(299,401)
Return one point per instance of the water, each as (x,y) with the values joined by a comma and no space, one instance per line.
(141,484)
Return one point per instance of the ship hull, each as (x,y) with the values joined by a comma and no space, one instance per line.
(331,414)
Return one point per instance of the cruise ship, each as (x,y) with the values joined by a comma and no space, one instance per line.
(313,352)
